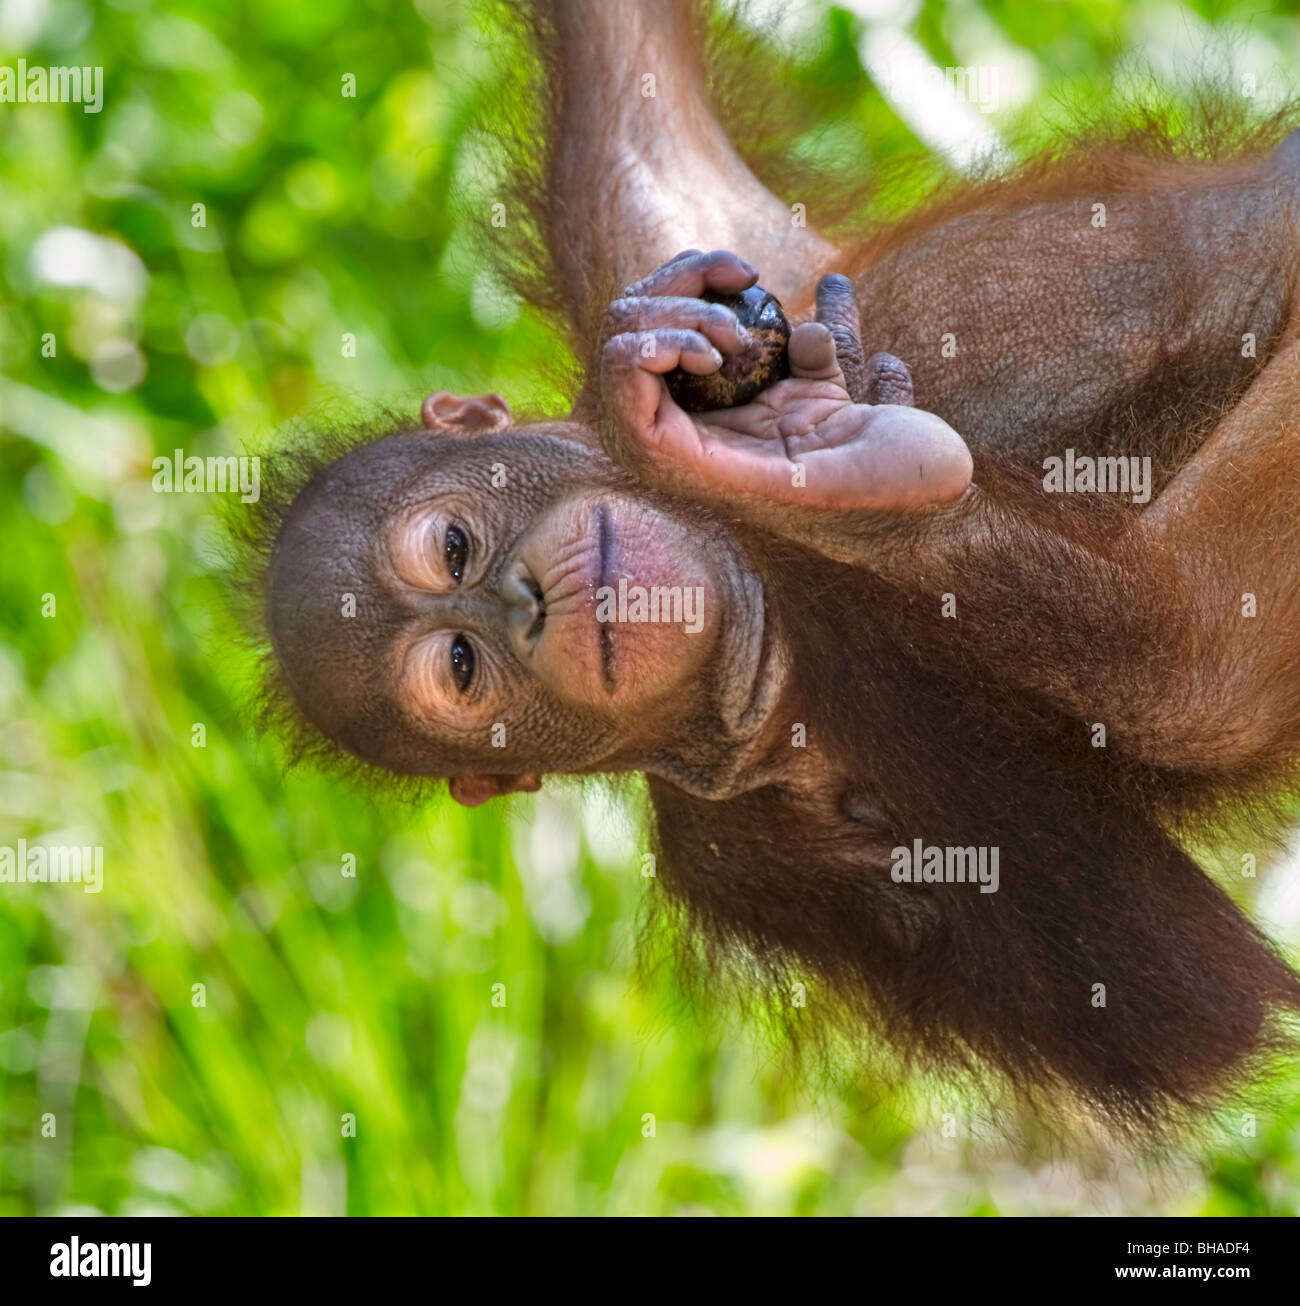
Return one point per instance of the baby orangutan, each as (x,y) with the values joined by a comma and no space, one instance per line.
(852,646)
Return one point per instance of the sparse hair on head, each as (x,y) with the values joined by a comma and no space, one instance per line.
(293,459)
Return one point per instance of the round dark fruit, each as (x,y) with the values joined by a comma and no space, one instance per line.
(742,377)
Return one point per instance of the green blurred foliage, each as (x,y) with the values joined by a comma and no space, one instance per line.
(325,994)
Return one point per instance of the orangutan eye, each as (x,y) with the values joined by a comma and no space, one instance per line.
(462,662)
(456,550)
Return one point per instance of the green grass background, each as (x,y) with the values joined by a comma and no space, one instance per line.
(372,995)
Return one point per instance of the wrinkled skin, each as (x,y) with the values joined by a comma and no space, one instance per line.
(803,441)
(475,639)
(483,560)
(896,641)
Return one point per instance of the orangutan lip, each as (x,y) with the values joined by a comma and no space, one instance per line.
(602,580)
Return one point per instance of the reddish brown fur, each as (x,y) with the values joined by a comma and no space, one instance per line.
(1095,889)
(975,731)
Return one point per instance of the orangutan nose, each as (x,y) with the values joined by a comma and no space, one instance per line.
(525,607)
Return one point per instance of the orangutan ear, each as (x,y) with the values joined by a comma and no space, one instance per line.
(474,790)
(456,416)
